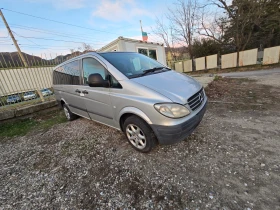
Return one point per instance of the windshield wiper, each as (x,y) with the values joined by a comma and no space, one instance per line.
(154,69)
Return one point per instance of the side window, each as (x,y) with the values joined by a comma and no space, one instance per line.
(92,66)
(67,74)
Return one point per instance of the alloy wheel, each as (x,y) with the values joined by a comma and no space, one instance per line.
(136,136)
(67,114)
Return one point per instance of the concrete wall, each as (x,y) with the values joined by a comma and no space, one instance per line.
(212,61)
(23,111)
(200,63)
(229,60)
(271,55)
(248,57)
(187,66)
(20,80)
(179,66)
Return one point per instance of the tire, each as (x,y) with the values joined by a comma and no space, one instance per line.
(139,134)
(68,114)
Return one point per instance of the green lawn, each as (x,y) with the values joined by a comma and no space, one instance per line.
(40,121)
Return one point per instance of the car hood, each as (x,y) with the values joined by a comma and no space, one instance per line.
(175,86)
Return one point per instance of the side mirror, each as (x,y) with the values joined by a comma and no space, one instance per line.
(96,80)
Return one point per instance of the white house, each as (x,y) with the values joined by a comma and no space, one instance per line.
(151,49)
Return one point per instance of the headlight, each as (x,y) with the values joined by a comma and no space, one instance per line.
(172,110)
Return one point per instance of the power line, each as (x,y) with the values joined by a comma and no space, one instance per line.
(69,24)
(49,46)
(45,47)
(36,46)
(5,43)
(77,36)
(13,39)
(73,37)
(31,37)
(27,39)
(5,37)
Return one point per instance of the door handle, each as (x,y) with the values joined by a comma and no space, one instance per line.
(77,91)
(84,92)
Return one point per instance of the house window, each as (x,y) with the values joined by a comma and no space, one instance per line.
(148,52)
(153,54)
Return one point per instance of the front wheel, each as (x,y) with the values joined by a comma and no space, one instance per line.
(139,134)
(69,115)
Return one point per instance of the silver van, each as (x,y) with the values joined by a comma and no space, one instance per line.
(133,93)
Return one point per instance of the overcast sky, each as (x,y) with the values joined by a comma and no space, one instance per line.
(108,19)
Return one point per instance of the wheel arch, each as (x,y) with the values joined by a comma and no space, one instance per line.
(129,111)
(61,102)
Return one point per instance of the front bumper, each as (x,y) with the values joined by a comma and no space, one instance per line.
(176,133)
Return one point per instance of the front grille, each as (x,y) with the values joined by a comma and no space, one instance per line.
(196,100)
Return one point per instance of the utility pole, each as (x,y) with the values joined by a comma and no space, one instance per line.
(14,40)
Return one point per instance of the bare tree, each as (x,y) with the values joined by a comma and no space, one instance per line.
(165,32)
(87,48)
(212,26)
(184,19)
(82,49)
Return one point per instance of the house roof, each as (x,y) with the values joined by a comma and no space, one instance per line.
(127,39)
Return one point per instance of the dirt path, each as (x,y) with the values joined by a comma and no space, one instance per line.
(230,162)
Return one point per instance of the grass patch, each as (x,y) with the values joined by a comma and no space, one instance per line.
(216,78)
(59,118)
(18,128)
(22,127)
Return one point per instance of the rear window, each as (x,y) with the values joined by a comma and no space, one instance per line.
(67,74)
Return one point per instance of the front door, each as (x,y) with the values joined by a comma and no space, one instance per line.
(96,99)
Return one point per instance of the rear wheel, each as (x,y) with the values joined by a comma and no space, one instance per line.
(69,115)
(139,134)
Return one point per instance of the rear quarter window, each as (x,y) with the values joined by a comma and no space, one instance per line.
(67,74)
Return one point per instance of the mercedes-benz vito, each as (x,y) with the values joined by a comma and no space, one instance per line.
(133,93)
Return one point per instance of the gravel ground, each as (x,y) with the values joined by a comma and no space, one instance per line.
(230,162)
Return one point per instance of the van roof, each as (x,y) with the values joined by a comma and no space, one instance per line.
(89,53)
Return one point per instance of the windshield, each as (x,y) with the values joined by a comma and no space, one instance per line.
(132,64)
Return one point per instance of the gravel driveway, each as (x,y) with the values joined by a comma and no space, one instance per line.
(231,161)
